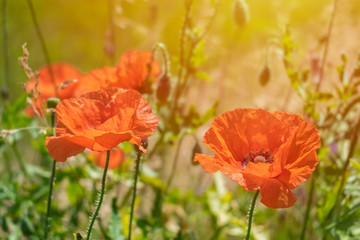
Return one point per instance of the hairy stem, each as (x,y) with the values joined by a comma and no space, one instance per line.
(52,177)
(251,215)
(94,216)
(137,171)
(48,210)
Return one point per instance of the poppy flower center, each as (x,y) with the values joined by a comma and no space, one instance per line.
(258,157)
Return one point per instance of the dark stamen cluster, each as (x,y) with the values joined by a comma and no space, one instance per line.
(258,156)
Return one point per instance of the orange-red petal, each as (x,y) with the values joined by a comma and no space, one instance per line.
(132,69)
(117,156)
(97,79)
(276,195)
(60,148)
(61,73)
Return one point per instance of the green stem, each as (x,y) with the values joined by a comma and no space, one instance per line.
(48,211)
(52,178)
(42,42)
(137,170)
(21,160)
(308,206)
(5,45)
(339,195)
(111,32)
(101,197)
(251,214)
(174,164)
(327,43)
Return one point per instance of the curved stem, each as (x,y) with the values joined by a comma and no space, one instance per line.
(137,170)
(308,206)
(339,195)
(5,45)
(52,177)
(174,164)
(251,214)
(101,197)
(327,42)
(43,45)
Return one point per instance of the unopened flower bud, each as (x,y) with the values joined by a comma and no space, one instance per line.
(241,13)
(52,102)
(196,149)
(5,93)
(264,75)
(163,89)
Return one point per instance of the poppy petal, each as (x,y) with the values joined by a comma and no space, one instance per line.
(299,171)
(60,148)
(250,181)
(112,139)
(207,162)
(305,137)
(276,195)
(132,69)
(117,156)
(96,79)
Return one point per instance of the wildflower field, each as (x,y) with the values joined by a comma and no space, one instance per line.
(181,120)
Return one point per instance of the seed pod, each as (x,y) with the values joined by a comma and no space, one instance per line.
(264,75)
(241,13)
(52,102)
(163,89)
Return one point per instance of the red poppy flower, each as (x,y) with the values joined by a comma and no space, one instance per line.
(117,157)
(270,151)
(99,121)
(133,69)
(97,79)
(61,87)
(130,73)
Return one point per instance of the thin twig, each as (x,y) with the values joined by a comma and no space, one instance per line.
(174,164)
(43,45)
(5,45)
(327,42)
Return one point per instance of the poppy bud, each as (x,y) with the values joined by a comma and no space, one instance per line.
(264,75)
(5,93)
(163,89)
(52,102)
(145,143)
(241,13)
(196,149)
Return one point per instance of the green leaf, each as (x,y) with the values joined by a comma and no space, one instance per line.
(356,165)
(198,56)
(115,227)
(74,192)
(203,76)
